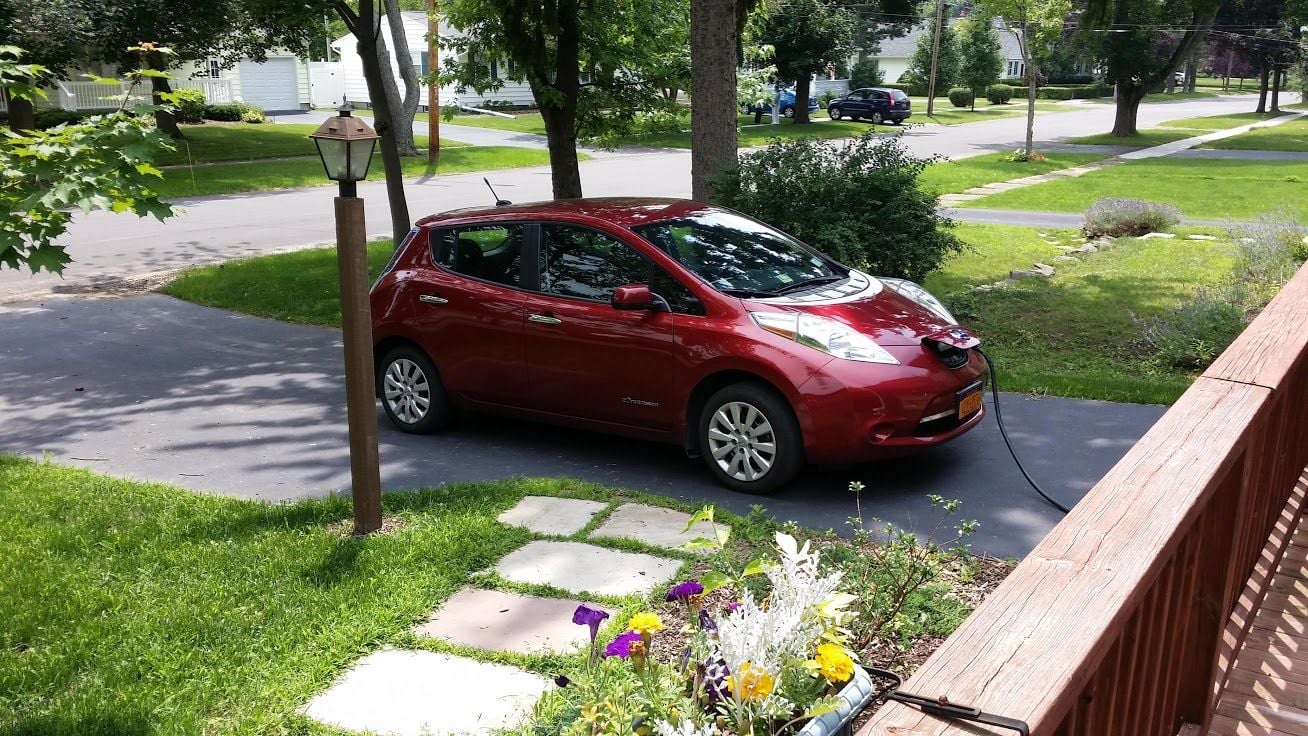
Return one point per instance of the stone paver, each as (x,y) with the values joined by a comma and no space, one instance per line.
(652,525)
(585,568)
(492,620)
(412,693)
(548,515)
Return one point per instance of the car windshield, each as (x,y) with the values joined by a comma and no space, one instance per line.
(739,256)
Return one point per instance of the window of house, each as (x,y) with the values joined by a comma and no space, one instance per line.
(1016,69)
(213,68)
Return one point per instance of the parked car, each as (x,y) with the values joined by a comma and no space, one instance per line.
(668,320)
(787,105)
(872,103)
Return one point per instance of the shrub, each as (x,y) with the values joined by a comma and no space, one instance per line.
(866,73)
(253,114)
(960,97)
(826,97)
(226,112)
(1128,217)
(190,105)
(999,94)
(47,118)
(1194,334)
(1054,93)
(895,85)
(858,202)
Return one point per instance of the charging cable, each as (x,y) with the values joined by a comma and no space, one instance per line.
(999,419)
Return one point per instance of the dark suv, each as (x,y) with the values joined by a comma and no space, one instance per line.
(873,103)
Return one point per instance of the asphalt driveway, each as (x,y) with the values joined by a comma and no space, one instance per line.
(152,388)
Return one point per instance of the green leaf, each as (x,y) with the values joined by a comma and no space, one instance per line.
(756,567)
(713,580)
(700,543)
(704,514)
(723,534)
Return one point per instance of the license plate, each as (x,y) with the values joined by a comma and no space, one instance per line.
(969,403)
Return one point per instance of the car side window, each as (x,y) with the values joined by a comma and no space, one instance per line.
(487,252)
(587,264)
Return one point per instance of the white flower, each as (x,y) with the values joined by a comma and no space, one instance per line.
(687,728)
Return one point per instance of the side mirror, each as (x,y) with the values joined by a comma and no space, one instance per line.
(633,296)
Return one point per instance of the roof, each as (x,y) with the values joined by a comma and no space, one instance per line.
(902,47)
(620,211)
(415,21)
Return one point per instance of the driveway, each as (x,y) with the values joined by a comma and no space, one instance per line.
(156,389)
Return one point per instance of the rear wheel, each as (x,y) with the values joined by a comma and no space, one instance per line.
(834,112)
(788,112)
(749,438)
(877,119)
(411,391)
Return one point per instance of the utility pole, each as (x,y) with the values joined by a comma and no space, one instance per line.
(935,58)
(433,86)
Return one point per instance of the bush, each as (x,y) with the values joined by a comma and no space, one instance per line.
(869,211)
(866,73)
(253,114)
(1194,334)
(233,112)
(960,97)
(1128,217)
(826,97)
(47,118)
(999,94)
(190,105)
(895,85)
(1054,93)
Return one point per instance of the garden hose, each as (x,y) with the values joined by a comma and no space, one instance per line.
(999,419)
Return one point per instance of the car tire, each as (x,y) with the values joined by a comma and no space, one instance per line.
(833,113)
(877,119)
(411,391)
(738,426)
(788,112)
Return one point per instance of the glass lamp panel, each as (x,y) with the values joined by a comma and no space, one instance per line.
(335,158)
(360,157)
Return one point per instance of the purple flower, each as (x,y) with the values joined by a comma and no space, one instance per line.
(685,590)
(587,616)
(706,622)
(562,681)
(621,646)
(732,606)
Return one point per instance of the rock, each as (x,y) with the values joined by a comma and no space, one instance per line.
(1088,248)
(1064,259)
(1069,248)
(1044,269)
(1151,236)
(1200,237)
(1037,271)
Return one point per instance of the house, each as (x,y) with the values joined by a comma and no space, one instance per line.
(896,52)
(415,31)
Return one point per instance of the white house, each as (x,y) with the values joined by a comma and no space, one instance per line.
(896,52)
(415,31)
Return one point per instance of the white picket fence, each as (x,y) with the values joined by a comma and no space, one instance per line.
(97,96)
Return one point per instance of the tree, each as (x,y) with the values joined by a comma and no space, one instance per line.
(947,63)
(552,45)
(52,34)
(714,40)
(805,35)
(1137,52)
(1038,27)
(407,108)
(981,59)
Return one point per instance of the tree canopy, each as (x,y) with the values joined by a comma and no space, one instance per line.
(805,35)
(980,57)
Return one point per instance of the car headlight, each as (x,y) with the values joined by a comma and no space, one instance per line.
(920,295)
(829,336)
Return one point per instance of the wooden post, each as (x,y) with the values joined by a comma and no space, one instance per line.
(935,58)
(433,87)
(356,334)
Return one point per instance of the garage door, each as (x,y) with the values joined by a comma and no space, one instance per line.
(270,84)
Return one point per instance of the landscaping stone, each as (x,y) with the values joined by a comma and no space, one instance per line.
(585,568)
(412,693)
(1088,248)
(1064,259)
(1200,237)
(652,525)
(1037,271)
(549,515)
(492,620)
(1151,236)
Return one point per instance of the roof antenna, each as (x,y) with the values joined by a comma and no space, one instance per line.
(498,202)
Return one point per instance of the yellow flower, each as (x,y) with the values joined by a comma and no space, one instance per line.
(645,623)
(751,683)
(589,713)
(833,663)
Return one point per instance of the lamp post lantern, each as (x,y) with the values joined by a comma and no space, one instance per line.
(345,145)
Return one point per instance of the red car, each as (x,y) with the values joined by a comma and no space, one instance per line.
(669,320)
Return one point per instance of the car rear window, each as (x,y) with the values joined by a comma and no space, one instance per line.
(898,95)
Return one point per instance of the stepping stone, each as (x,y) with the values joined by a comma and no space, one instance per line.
(653,525)
(491,620)
(1200,237)
(585,568)
(1150,236)
(412,693)
(1064,259)
(549,515)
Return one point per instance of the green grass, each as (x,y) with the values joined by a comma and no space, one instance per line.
(1210,189)
(956,176)
(1144,139)
(1218,122)
(244,142)
(262,176)
(527,122)
(1163,97)
(1077,334)
(1291,136)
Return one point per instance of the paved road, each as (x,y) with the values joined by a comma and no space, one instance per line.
(153,388)
(106,247)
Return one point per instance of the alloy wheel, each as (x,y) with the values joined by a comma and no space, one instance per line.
(742,441)
(407,391)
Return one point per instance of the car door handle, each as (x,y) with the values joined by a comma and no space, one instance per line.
(544,319)
(433,299)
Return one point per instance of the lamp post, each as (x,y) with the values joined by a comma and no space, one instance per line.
(345,145)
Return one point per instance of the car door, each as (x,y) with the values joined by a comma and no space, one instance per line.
(854,103)
(470,312)
(586,359)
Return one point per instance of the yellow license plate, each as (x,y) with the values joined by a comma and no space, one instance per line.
(969,404)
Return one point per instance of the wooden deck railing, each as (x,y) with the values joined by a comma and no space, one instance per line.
(1124,619)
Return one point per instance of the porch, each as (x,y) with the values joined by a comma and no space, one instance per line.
(94,96)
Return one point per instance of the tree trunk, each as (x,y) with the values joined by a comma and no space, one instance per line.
(1263,77)
(22,114)
(802,86)
(1129,97)
(164,118)
(561,135)
(369,46)
(1032,74)
(408,107)
(1277,76)
(557,101)
(713,46)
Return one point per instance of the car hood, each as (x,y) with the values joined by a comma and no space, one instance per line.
(868,306)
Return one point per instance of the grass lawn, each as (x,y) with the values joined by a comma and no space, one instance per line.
(1144,139)
(1076,334)
(1291,136)
(955,176)
(1163,97)
(245,142)
(1200,188)
(262,176)
(1218,122)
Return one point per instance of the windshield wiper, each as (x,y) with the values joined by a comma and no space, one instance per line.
(815,281)
(747,293)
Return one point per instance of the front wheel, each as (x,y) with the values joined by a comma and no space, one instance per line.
(411,391)
(834,113)
(749,438)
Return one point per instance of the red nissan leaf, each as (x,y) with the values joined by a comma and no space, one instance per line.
(669,320)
